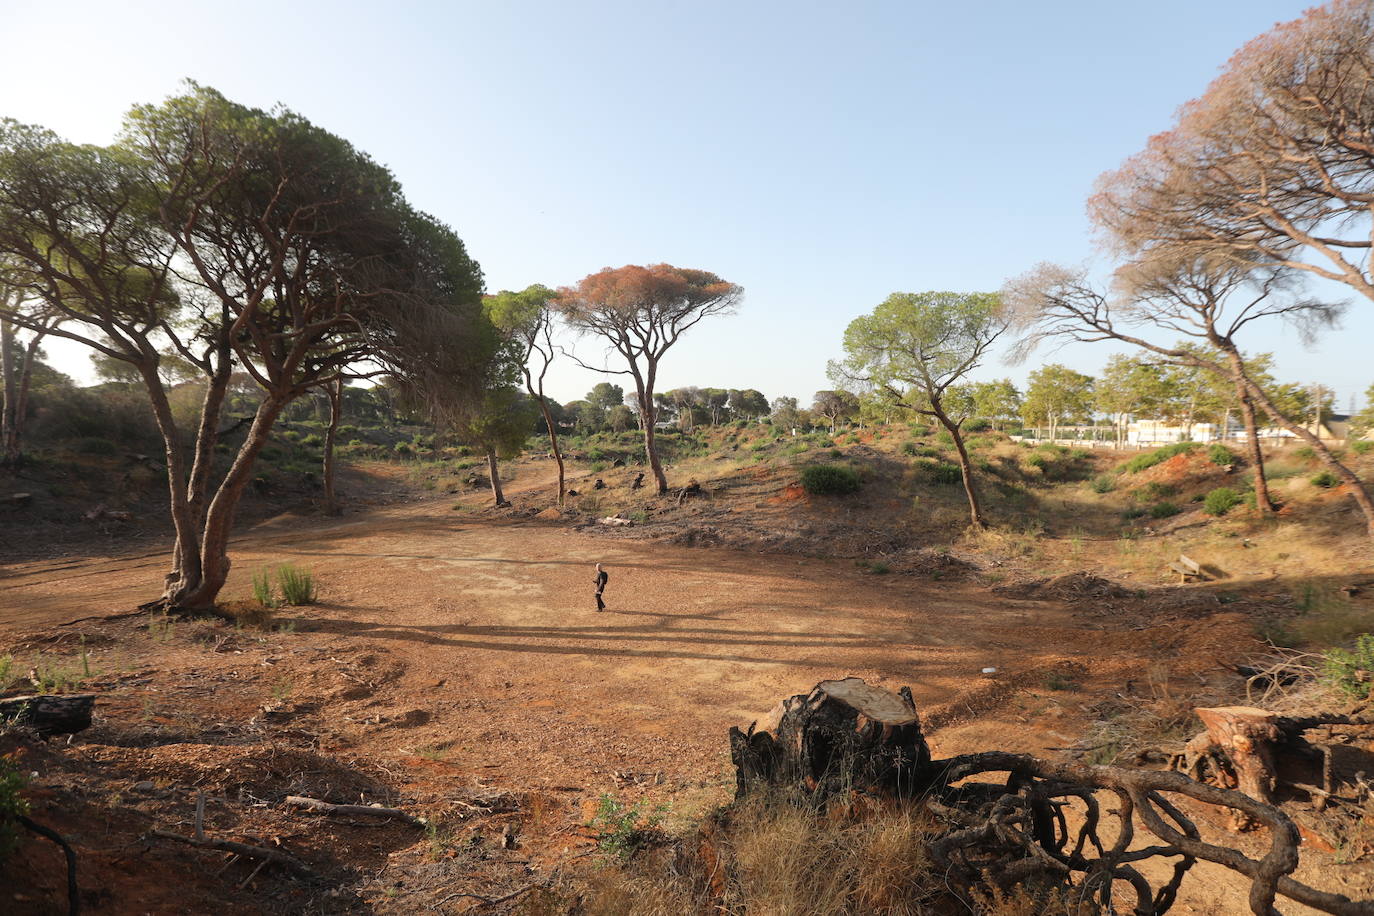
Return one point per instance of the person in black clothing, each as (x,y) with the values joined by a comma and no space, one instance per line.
(601,578)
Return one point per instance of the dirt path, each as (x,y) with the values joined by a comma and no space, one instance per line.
(693,640)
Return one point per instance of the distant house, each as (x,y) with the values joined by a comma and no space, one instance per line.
(1149,433)
(1335,427)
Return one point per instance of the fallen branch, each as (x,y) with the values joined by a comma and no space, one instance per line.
(323,807)
(73,893)
(290,863)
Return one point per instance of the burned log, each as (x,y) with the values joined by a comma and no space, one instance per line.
(48,714)
(845,735)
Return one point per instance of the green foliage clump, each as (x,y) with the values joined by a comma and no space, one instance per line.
(908,448)
(1220,501)
(1325,480)
(1150,459)
(940,472)
(1306,453)
(1163,510)
(1220,455)
(263,591)
(621,829)
(12,805)
(94,445)
(944,437)
(1103,483)
(1361,446)
(1154,490)
(1349,672)
(829,479)
(1037,460)
(314,440)
(297,585)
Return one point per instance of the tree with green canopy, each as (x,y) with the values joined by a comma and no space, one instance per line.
(528,318)
(1130,387)
(834,405)
(1056,394)
(915,347)
(640,313)
(241,241)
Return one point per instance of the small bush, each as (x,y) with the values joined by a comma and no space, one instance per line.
(314,440)
(1163,510)
(829,480)
(1220,455)
(1306,453)
(621,829)
(263,592)
(1350,672)
(908,448)
(1037,460)
(1154,490)
(944,438)
(403,449)
(1150,459)
(297,585)
(1361,446)
(1103,483)
(1326,480)
(1220,501)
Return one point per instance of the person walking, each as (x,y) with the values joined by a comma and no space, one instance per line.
(601,578)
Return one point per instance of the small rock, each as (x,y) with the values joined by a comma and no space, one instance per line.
(144,786)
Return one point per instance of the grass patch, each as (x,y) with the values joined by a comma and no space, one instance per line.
(1103,483)
(1326,480)
(1164,510)
(1220,455)
(12,805)
(622,829)
(297,585)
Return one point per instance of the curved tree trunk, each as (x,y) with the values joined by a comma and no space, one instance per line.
(335,393)
(965,466)
(186,574)
(495,477)
(1357,488)
(207,436)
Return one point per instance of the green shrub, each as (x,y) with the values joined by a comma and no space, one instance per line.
(978,442)
(94,445)
(297,585)
(908,448)
(403,449)
(1150,459)
(919,429)
(1325,480)
(348,431)
(263,591)
(621,829)
(1306,453)
(290,435)
(1361,446)
(1163,510)
(941,472)
(829,480)
(1220,501)
(1103,483)
(314,440)
(12,805)
(944,438)
(1349,672)
(1220,455)
(1038,460)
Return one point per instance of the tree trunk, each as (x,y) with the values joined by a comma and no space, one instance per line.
(335,394)
(10,397)
(553,439)
(21,407)
(49,715)
(1263,504)
(213,555)
(207,435)
(651,453)
(1357,488)
(495,477)
(965,466)
(1246,736)
(845,735)
(186,574)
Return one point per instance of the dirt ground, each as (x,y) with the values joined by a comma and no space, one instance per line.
(457,659)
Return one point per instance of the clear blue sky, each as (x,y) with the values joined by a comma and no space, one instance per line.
(820,155)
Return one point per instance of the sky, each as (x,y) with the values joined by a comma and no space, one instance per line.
(822,156)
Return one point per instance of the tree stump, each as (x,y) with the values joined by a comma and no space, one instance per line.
(49,715)
(845,735)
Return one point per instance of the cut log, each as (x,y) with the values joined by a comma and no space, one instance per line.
(323,807)
(1246,736)
(49,715)
(845,735)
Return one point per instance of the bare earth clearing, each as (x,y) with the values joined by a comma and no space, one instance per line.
(456,662)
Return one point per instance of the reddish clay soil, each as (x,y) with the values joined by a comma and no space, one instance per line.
(455,665)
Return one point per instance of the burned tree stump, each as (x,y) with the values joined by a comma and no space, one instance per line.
(845,735)
(49,715)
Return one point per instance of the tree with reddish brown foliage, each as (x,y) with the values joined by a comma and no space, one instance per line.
(640,312)
(1273,163)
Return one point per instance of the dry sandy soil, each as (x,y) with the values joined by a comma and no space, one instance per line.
(457,662)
